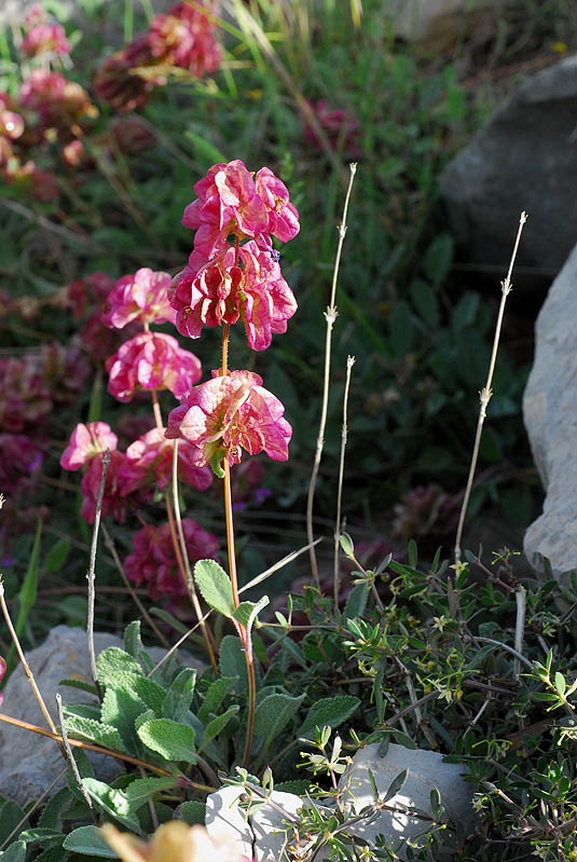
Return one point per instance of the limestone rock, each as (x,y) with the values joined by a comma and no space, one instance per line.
(30,763)
(425,770)
(524,159)
(439,23)
(550,414)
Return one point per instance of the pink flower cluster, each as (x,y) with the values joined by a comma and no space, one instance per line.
(183,38)
(233,275)
(42,36)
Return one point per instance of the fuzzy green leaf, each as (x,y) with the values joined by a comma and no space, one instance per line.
(120,708)
(113,661)
(247,612)
(272,716)
(87,841)
(95,731)
(193,812)
(141,790)
(11,816)
(232,660)
(173,741)
(179,696)
(15,853)
(214,696)
(217,725)
(331,711)
(113,801)
(215,587)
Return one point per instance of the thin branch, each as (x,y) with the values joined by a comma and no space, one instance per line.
(90,575)
(68,751)
(22,657)
(486,393)
(344,434)
(330,316)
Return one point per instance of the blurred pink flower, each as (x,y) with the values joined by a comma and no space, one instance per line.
(228,414)
(87,441)
(56,104)
(44,38)
(114,503)
(148,464)
(154,564)
(151,360)
(185,37)
(340,125)
(142,296)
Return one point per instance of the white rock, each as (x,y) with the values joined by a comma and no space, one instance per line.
(424,20)
(425,770)
(550,414)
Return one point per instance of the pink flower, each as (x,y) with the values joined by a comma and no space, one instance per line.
(151,360)
(283,217)
(148,464)
(222,292)
(86,442)
(59,104)
(154,564)
(142,296)
(341,128)
(267,300)
(228,414)
(227,203)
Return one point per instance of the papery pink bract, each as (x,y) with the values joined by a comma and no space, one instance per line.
(222,292)
(45,38)
(142,296)
(151,360)
(148,464)
(283,217)
(86,442)
(268,302)
(227,203)
(185,37)
(209,297)
(154,564)
(230,413)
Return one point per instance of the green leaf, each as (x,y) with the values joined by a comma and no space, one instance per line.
(113,661)
(214,696)
(179,696)
(87,841)
(94,731)
(172,741)
(11,816)
(356,601)
(438,258)
(113,801)
(232,660)
(215,587)
(247,612)
(272,716)
(560,683)
(425,301)
(141,790)
(120,708)
(57,555)
(331,711)
(193,812)
(347,544)
(217,725)
(132,639)
(15,853)
(395,785)
(42,836)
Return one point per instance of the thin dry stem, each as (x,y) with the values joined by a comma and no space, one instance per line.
(22,657)
(486,393)
(91,574)
(330,316)
(68,751)
(338,526)
(520,599)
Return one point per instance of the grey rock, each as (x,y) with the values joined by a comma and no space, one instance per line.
(524,159)
(550,415)
(262,834)
(30,764)
(438,20)
(425,771)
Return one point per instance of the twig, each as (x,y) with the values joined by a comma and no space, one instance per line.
(22,657)
(520,596)
(68,751)
(330,316)
(486,393)
(513,652)
(90,575)
(344,433)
